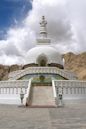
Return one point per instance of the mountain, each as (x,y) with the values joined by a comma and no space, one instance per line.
(76,63)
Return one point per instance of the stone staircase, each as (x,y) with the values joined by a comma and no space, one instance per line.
(42,96)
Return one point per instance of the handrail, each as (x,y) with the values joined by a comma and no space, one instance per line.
(27,95)
(54,90)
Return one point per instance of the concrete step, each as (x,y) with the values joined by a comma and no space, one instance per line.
(42,96)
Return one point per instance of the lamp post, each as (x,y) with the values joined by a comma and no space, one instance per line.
(21,96)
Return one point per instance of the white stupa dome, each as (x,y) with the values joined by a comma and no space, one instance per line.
(43,52)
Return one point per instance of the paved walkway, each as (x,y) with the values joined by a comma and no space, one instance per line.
(72,116)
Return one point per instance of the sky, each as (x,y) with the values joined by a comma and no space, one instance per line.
(19,27)
(12,11)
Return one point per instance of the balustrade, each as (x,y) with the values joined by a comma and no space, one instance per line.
(30,70)
(11,90)
(70,87)
(13,87)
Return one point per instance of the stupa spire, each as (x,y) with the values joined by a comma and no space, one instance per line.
(43,28)
(43,40)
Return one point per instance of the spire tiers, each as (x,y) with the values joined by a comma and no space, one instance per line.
(43,40)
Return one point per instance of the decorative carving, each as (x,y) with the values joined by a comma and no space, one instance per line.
(43,22)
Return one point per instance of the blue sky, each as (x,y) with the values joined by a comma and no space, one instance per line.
(11,10)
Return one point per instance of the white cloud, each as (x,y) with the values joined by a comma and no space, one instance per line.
(66,25)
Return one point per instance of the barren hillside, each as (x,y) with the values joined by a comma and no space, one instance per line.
(77,64)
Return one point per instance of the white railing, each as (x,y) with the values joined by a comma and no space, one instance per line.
(10,91)
(69,91)
(12,74)
(28,93)
(54,90)
(70,83)
(66,87)
(32,70)
(70,86)
(13,87)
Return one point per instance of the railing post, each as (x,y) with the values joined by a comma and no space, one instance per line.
(21,96)
(60,96)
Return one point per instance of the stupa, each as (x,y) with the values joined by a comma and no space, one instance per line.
(45,82)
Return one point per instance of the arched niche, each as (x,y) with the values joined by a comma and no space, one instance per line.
(42,60)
